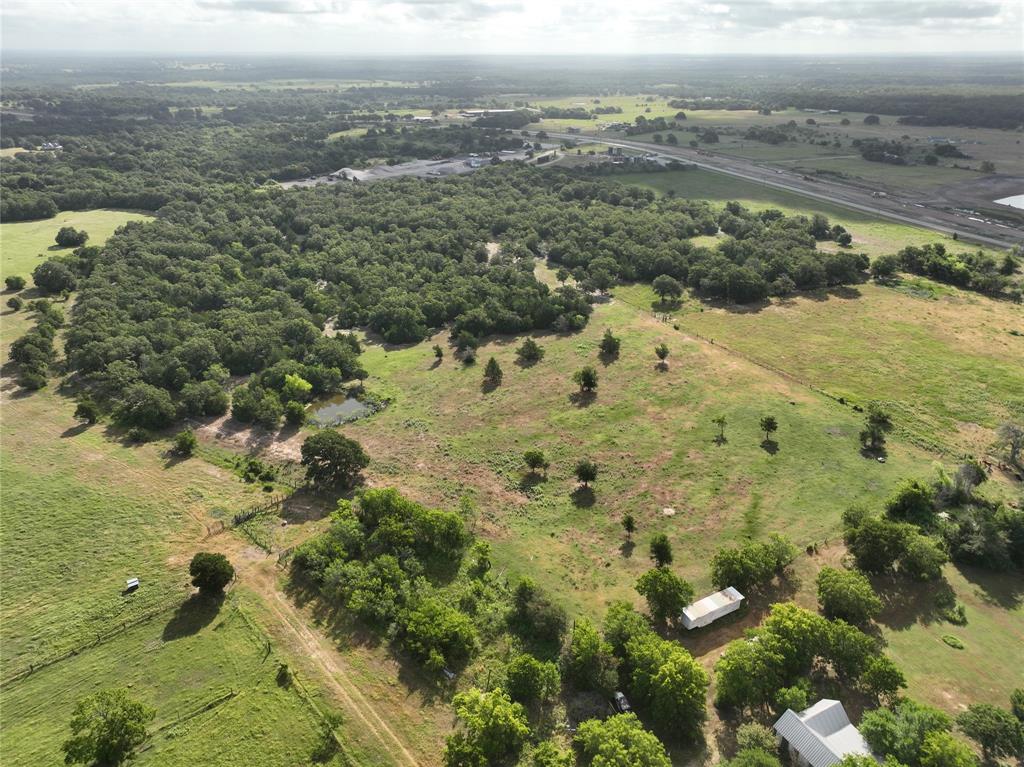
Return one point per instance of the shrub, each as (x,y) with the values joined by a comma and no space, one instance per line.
(185,442)
(15,303)
(14,282)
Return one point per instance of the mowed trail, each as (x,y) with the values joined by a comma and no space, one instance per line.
(260,578)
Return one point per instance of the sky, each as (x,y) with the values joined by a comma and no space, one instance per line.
(373,27)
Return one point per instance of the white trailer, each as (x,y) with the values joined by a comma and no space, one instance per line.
(711,608)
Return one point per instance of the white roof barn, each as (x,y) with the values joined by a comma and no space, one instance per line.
(711,608)
(821,735)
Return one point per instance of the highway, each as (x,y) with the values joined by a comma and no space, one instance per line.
(893,207)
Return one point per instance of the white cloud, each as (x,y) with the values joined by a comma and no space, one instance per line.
(513,26)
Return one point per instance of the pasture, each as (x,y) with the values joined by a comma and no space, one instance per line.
(209,674)
(26,244)
(650,432)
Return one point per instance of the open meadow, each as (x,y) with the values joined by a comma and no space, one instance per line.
(26,244)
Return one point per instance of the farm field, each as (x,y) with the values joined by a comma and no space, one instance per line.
(26,244)
(871,235)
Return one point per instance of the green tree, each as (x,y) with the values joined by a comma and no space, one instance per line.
(185,442)
(629,524)
(996,730)
(678,691)
(661,550)
(491,724)
(210,572)
(721,423)
(87,410)
(769,426)
(15,303)
(942,749)
(666,593)
(848,595)
(922,559)
(145,406)
(106,728)
(530,351)
(912,502)
(748,673)
(585,471)
(296,388)
(585,378)
(620,741)
(900,732)
(295,413)
(14,282)
(661,351)
(69,237)
(531,681)
(492,372)
(610,344)
(535,460)
(793,698)
(331,459)
(438,352)
(667,287)
(877,543)
(589,661)
(53,276)
(1017,703)
(752,757)
(882,678)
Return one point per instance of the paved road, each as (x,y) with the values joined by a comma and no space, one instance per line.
(893,207)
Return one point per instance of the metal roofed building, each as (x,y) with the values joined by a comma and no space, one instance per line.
(821,735)
(711,608)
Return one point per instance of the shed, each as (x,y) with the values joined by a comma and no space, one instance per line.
(711,608)
(131,584)
(821,735)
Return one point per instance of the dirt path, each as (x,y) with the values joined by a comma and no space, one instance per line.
(260,578)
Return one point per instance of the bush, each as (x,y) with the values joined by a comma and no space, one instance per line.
(15,303)
(794,697)
(756,736)
(87,410)
(913,502)
(210,572)
(530,351)
(295,413)
(531,681)
(185,442)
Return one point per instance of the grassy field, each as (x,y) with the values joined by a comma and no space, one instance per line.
(651,432)
(26,244)
(208,674)
(871,235)
(947,363)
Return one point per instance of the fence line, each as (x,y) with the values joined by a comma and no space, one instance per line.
(162,607)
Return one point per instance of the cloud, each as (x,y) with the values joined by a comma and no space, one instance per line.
(287,7)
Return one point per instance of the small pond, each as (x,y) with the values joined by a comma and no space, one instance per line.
(340,408)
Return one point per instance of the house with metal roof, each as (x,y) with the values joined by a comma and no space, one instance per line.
(821,735)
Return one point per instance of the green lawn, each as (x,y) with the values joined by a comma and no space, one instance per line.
(26,244)
(210,675)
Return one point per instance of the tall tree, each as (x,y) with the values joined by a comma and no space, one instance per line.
(106,728)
